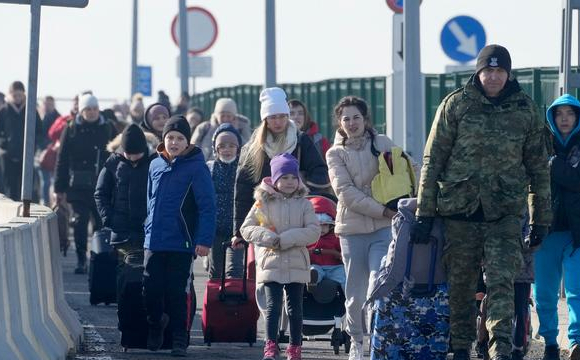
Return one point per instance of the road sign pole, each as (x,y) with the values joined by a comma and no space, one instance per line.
(412,86)
(567,79)
(134,48)
(183,42)
(270,43)
(394,101)
(30,116)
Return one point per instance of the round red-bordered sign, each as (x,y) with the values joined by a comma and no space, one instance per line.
(204,24)
(397,5)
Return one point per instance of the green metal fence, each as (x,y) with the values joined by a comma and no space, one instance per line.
(319,97)
(541,84)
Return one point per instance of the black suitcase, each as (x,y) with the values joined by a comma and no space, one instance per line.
(102,269)
(131,309)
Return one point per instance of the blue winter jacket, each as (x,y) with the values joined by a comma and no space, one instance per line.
(181,211)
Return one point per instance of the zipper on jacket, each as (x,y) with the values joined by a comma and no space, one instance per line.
(189,238)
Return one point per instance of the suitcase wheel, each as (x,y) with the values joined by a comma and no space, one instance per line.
(125,349)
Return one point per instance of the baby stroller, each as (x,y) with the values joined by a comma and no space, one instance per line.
(323,310)
(323,305)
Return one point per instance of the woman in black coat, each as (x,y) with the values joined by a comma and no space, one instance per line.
(277,134)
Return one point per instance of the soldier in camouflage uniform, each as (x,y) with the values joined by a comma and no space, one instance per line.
(486,152)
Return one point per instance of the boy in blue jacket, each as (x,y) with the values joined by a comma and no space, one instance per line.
(181,217)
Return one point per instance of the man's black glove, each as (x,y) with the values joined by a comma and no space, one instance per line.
(421,230)
(537,234)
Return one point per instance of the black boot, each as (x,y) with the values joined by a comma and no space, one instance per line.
(517,355)
(460,354)
(551,352)
(156,331)
(81,264)
(482,350)
(179,348)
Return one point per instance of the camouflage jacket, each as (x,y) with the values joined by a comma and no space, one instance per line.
(484,153)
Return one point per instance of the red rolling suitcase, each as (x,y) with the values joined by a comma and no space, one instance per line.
(230,313)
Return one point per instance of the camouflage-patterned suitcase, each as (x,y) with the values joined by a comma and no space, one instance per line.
(412,322)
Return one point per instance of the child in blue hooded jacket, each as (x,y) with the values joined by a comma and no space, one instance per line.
(181,217)
(558,252)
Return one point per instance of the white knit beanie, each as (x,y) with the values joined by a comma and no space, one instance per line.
(87,100)
(273,102)
(225,105)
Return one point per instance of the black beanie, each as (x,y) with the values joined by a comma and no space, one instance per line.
(133,140)
(177,123)
(494,56)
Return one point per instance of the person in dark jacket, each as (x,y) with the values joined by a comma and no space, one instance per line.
(276,135)
(81,157)
(558,253)
(50,116)
(121,192)
(226,144)
(12,119)
(181,220)
(304,122)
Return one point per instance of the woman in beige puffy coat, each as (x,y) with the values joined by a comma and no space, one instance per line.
(362,224)
(280,224)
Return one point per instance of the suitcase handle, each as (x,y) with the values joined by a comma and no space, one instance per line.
(244,295)
(417,290)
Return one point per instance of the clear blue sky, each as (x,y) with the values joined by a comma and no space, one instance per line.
(317,39)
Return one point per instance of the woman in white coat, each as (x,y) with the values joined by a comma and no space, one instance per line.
(362,224)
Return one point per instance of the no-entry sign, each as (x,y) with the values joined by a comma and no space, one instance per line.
(397,5)
(202,30)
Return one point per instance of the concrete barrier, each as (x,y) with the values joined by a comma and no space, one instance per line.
(35,320)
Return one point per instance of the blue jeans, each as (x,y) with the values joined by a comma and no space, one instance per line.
(332,272)
(45,183)
(553,260)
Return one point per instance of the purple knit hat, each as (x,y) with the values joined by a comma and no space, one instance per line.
(283,164)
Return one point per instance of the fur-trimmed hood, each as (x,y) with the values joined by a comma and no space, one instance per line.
(266,191)
(114,146)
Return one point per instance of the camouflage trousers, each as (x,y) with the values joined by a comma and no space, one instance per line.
(497,246)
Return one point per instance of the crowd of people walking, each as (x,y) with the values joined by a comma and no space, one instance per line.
(179,186)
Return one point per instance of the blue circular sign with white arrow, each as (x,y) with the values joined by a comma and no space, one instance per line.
(462,38)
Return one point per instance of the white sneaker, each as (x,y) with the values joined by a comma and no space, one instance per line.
(356,351)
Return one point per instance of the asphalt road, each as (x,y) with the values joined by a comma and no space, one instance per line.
(102,337)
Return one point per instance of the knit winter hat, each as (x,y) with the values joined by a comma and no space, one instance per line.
(133,140)
(273,102)
(283,164)
(87,100)
(177,123)
(494,56)
(225,105)
(156,110)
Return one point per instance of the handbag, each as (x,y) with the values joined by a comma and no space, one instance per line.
(47,159)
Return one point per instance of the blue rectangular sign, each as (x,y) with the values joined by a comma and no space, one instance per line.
(144,76)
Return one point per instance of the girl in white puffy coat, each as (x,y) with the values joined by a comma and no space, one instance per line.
(281,224)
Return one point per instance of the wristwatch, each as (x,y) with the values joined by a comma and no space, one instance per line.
(317,251)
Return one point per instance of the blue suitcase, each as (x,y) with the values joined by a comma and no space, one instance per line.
(412,322)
